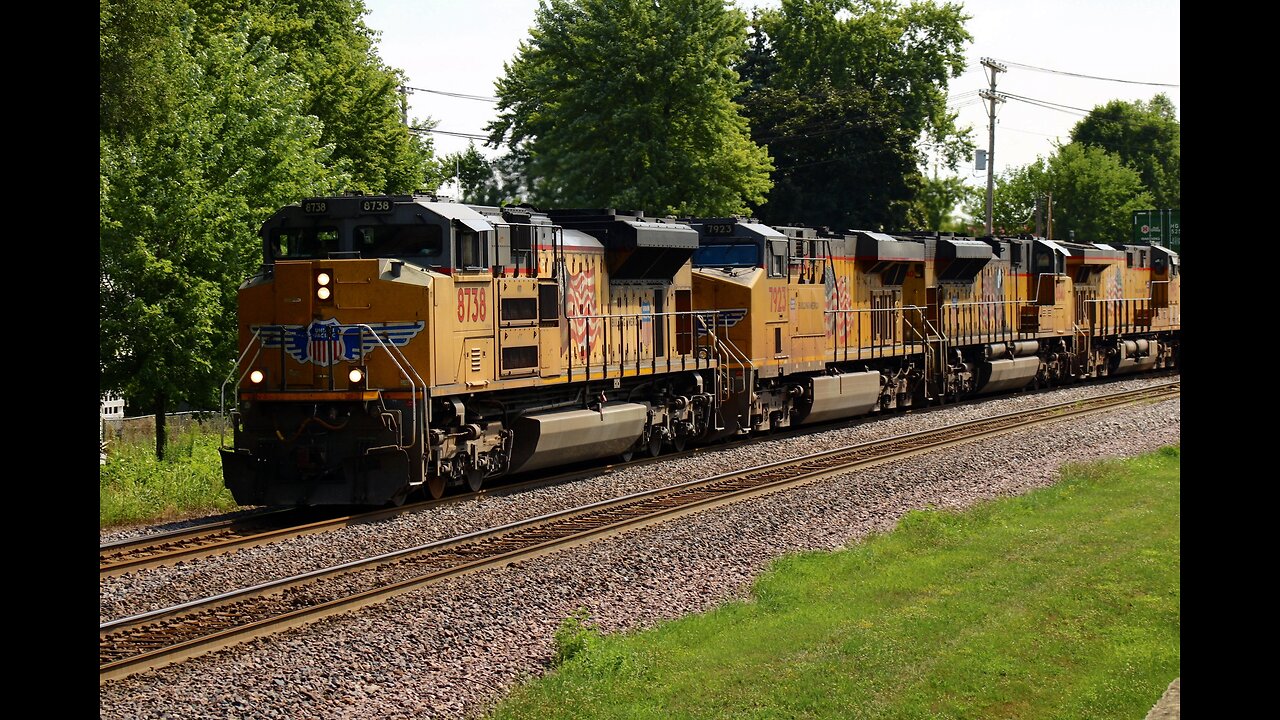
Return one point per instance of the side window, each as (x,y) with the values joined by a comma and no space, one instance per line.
(1043,261)
(777,258)
(470,251)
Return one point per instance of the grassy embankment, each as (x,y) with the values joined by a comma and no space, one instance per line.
(133,487)
(1063,603)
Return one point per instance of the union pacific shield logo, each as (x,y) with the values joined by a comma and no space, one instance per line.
(328,342)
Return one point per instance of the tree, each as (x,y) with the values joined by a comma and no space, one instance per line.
(843,92)
(354,94)
(1094,194)
(1013,199)
(629,103)
(180,204)
(843,160)
(137,40)
(480,179)
(937,200)
(1146,136)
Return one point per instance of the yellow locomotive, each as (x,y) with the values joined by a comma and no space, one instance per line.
(400,344)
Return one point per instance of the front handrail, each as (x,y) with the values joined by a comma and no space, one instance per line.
(418,386)
(413,393)
(222,391)
(733,352)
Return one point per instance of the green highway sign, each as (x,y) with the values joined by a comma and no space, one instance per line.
(1158,226)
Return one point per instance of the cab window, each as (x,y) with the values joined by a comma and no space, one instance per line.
(401,241)
(728,255)
(303,243)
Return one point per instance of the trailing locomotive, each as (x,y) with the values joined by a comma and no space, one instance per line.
(393,345)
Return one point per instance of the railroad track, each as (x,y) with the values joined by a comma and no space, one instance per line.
(169,635)
(277,525)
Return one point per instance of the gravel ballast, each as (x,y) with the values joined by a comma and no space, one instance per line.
(451,649)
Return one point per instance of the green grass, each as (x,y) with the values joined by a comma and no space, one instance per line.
(133,487)
(1063,603)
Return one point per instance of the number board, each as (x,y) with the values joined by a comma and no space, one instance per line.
(315,207)
(375,206)
(720,229)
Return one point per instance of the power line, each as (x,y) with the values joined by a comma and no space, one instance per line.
(1091,77)
(446,132)
(464,96)
(1046,103)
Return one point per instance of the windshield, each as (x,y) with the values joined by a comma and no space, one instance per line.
(399,241)
(735,255)
(302,243)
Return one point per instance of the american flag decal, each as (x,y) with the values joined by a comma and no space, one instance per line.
(582,301)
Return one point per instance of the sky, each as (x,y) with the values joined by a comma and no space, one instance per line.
(457,46)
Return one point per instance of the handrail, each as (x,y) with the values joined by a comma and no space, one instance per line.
(1126,307)
(608,320)
(730,350)
(393,352)
(222,391)
(413,393)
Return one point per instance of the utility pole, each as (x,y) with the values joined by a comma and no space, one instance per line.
(992,98)
(1049,200)
(404,104)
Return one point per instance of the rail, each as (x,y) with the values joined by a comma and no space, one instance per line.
(983,321)
(891,319)
(605,331)
(1119,315)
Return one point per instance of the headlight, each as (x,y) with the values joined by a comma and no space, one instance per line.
(323,293)
(322,279)
(255,377)
(356,375)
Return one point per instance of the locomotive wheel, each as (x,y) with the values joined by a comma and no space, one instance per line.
(655,445)
(679,441)
(475,478)
(435,486)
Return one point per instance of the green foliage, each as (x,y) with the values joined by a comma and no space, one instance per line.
(843,92)
(483,181)
(1094,194)
(135,487)
(574,636)
(137,42)
(1146,136)
(347,86)
(1062,603)
(1013,201)
(180,206)
(937,201)
(843,160)
(1124,156)
(624,103)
